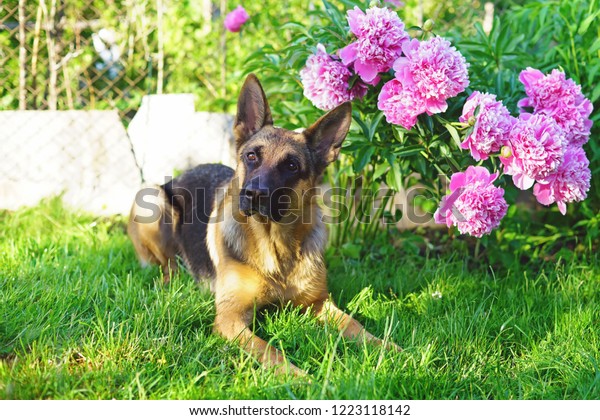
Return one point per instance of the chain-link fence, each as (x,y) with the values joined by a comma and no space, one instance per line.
(79,54)
(82,55)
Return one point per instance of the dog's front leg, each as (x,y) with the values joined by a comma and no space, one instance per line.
(237,294)
(327,311)
(234,327)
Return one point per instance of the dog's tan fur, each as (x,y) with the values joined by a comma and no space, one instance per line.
(155,241)
(259,262)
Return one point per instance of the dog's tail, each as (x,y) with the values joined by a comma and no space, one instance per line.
(151,226)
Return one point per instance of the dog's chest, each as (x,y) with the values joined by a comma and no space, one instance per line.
(300,276)
(306,283)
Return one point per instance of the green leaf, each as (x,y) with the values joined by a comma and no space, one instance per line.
(399,133)
(409,151)
(595,46)
(502,41)
(445,150)
(421,166)
(595,94)
(380,169)
(296,26)
(351,250)
(374,125)
(363,157)
(586,23)
(357,118)
(429,123)
(453,133)
(394,178)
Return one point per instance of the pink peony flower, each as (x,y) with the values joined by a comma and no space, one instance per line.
(559,98)
(569,183)
(235,19)
(537,146)
(400,105)
(325,80)
(380,34)
(475,206)
(493,123)
(434,69)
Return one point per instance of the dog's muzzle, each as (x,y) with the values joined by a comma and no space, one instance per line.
(254,200)
(263,202)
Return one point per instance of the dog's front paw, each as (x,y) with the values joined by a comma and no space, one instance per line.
(291,369)
(388,345)
(393,346)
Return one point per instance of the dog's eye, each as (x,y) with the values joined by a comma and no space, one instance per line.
(291,166)
(251,156)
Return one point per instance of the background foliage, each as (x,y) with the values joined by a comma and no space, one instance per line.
(198,56)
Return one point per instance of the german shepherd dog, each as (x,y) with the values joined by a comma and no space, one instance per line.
(256,232)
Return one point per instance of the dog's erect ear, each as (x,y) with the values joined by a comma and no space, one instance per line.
(325,136)
(253,111)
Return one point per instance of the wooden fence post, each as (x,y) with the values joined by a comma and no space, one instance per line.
(22,56)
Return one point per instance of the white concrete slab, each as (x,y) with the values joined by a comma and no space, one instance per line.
(168,136)
(88,155)
(85,155)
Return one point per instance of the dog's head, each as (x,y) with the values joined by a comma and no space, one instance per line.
(276,167)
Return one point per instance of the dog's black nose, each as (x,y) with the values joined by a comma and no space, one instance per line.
(255,193)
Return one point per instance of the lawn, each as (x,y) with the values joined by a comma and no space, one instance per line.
(79,319)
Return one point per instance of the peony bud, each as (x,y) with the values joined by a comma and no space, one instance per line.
(236,19)
(505,152)
(428,25)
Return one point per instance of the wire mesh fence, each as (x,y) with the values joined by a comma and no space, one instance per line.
(81,56)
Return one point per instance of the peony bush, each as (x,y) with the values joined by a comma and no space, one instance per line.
(411,79)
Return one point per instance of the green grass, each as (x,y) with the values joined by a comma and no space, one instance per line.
(80,319)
